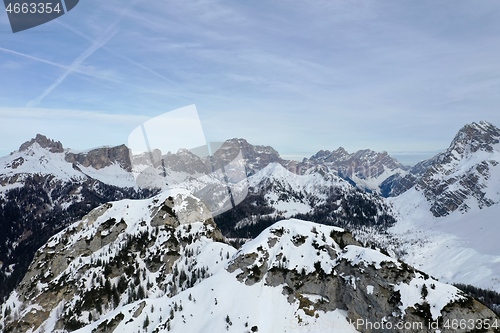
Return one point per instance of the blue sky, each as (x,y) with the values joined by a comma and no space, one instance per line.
(399,76)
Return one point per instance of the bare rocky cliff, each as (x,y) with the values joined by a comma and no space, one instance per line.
(117,254)
(102,157)
(460,178)
(161,265)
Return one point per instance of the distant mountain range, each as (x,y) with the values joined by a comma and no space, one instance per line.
(438,215)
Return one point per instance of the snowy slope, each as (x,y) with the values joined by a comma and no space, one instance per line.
(448,221)
(212,307)
(248,296)
(36,160)
(319,195)
(374,182)
(458,248)
(160,265)
(289,193)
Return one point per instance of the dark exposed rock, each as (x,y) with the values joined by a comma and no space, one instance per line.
(367,289)
(112,247)
(102,157)
(449,183)
(44,142)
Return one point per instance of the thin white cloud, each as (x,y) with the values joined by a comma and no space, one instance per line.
(48,62)
(119,55)
(362,74)
(74,66)
(69,114)
(78,129)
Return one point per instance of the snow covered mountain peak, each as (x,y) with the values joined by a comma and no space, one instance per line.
(119,252)
(149,266)
(44,142)
(463,177)
(365,168)
(467,174)
(482,136)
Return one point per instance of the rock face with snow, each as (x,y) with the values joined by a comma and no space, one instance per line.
(318,195)
(366,168)
(256,157)
(120,252)
(44,188)
(467,173)
(464,176)
(447,210)
(323,269)
(160,265)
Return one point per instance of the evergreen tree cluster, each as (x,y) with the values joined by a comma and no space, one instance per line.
(31,214)
(355,208)
(490,298)
(352,209)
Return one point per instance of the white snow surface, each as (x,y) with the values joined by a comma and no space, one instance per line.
(458,248)
(222,303)
(298,188)
(112,175)
(38,160)
(373,183)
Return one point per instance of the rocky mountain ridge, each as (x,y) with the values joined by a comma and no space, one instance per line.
(161,265)
(45,186)
(464,176)
(365,168)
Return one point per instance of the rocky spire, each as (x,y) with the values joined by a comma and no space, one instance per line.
(44,142)
(476,136)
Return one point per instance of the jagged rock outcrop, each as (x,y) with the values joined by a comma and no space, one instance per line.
(186,161)
(102,157)
(256,157)
(462,176)
(363,163)
(295,275)
(323,269)
(119,253)
(44,142)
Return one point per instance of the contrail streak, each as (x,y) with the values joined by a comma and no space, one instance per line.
(138,64)
(73,67)
(110,32)
(48,62)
